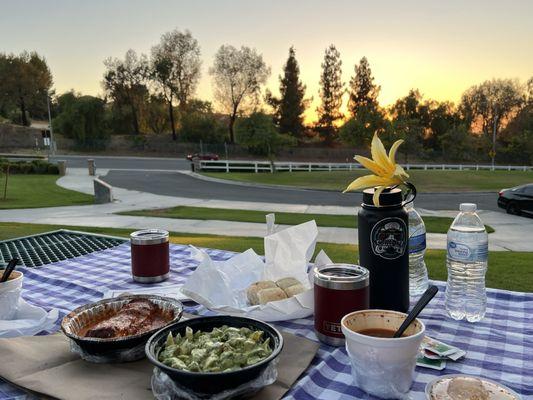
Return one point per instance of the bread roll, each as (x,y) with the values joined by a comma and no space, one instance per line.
(287,282)
(254,288)
(294,290)
(272,294)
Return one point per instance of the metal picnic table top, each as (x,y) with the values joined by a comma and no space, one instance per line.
(500,347)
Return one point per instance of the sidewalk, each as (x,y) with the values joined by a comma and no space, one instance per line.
(512,233)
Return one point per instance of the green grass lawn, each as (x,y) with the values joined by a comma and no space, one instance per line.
(425,181)
(507,270)
(33,191)
(433,224)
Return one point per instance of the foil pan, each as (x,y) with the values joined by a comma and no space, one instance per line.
(122,349)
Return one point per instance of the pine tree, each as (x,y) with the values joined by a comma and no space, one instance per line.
(289,108)
(331,91)
(363,91)
(366,115)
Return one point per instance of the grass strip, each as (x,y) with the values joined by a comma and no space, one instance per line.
(507,270)
(35,191)
(425,181)
(433,224)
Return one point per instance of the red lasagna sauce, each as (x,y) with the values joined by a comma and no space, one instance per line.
(136,317)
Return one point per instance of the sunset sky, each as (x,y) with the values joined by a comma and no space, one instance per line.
(439,47)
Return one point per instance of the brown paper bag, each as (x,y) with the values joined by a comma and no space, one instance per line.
(45,365)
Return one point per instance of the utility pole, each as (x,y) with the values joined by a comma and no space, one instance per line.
(52,142)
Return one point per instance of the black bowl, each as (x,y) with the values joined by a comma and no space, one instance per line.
(213,382)
(122,349)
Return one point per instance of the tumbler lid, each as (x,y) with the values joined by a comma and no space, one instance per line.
(389,197)
(341,276)
(149,236)
(468,207)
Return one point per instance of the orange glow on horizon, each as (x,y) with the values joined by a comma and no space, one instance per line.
(439,48)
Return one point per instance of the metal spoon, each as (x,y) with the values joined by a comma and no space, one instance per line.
(419,306)
(9,268)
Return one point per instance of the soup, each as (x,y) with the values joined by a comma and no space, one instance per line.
(13,275)
(379,332)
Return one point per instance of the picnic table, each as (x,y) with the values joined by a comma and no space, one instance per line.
(500,347)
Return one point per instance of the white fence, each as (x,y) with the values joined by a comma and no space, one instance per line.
(266,166)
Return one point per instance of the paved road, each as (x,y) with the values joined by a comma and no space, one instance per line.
(176,184)
(125,162)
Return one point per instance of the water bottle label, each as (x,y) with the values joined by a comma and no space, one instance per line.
(417,243)
(388,238)
(464,253)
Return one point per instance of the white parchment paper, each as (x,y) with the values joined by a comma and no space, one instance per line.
(221,285)
(28,321)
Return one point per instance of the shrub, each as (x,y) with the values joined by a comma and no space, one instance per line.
(26,168)
(83,119)
(29,167)
(204,126)
(52,169)
(138,142)
(259,134)
(39,167)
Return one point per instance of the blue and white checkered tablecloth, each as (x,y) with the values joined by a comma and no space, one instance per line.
(500,347)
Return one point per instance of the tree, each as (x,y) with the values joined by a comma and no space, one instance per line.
(260,135)
(25,81)
(200,124)
(331,91)
(457,143)
(367,116)
(491,105)
(412,133)
(517,136)
(197,105)
(442,118)
(408,106)
(409,118)
(156,118)
(82,118)
(176,69)
(238,75)
(125,82)
(363,91)
(290,106)
(529,91)
(358,131)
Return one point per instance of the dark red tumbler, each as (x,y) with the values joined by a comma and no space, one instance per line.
(339,290)
(149,255)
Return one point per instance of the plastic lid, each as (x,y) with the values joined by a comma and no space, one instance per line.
(468,207)
(389,197)
(341,276)
(149,236)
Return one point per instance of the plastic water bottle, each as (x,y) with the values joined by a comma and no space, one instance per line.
(418,273)
(467,264)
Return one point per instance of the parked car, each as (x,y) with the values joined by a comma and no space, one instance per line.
(517,200)
(203,156)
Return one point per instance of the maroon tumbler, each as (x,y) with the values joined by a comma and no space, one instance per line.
(339,290)
(149,255)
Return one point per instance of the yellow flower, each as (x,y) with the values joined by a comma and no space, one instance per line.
(386,172)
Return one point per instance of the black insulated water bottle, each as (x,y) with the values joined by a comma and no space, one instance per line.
(383,249)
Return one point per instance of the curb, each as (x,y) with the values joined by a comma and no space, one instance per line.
(251,184)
